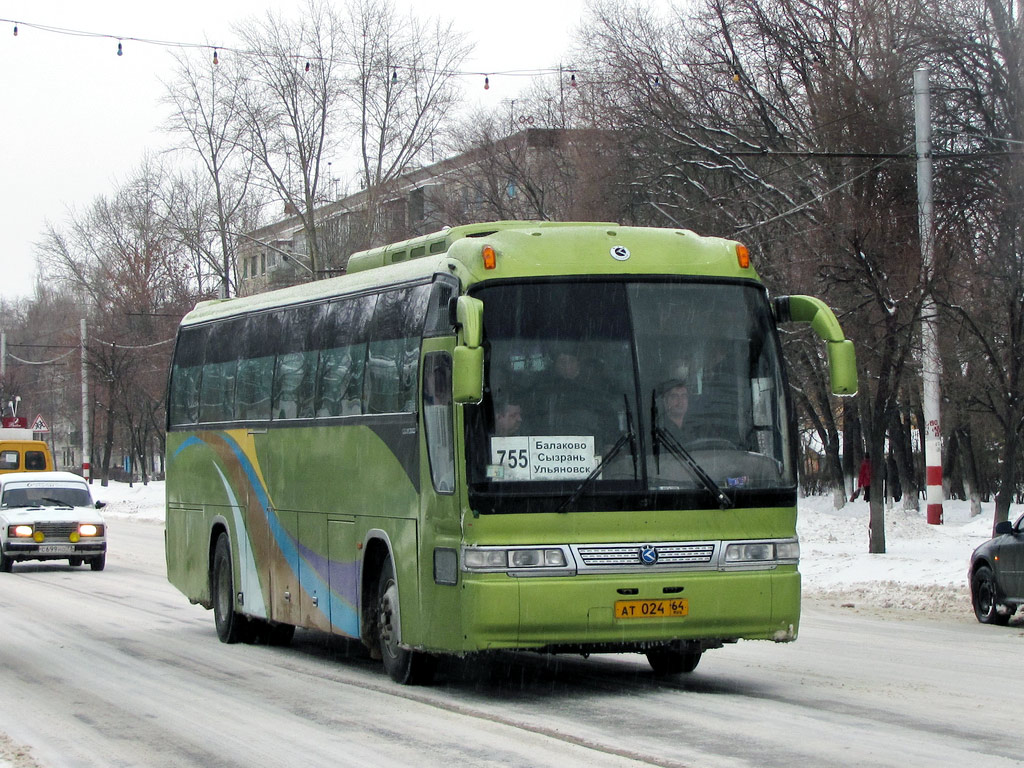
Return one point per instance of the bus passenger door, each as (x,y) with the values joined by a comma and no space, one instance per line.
(315,600)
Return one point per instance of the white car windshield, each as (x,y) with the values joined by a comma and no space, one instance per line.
(46,497)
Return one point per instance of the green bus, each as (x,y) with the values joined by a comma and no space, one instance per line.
(558,437)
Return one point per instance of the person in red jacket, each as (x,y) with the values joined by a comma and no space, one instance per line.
(864,479)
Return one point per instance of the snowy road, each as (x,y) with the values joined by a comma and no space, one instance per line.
(116,668)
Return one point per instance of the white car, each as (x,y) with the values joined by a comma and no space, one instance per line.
(50,516)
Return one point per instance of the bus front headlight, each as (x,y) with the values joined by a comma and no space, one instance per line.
(533,558)
(762,552)
(749,552)
(485,559)
(513,558)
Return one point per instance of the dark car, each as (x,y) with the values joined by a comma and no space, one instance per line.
(997,574)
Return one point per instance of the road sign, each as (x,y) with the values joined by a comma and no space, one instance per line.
(38,425)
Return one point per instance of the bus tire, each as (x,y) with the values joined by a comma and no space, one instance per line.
(671,660)
(403,665)
(230,625)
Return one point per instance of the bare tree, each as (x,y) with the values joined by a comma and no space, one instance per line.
(290,100)
(400,92)
(206,112)
(121,258)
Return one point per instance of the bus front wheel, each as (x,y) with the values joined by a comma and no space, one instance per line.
(403,665)
(672,660)
(230,625)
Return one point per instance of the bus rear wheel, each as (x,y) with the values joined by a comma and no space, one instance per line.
(403,665)
(230,625)
(674,660)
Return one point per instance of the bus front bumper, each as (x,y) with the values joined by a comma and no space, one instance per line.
(500,611)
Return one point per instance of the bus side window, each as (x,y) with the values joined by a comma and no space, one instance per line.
(184,399)
(217,392)
(252,388)
(186,375)
(393,355)
(295,373)
(342,362)
(259,340)
(220,366)
(437,420)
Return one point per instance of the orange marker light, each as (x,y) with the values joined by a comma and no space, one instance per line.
(490,257)
(743,256)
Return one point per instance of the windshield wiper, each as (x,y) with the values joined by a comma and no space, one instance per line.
(56,502)
(629,437)
(660,435)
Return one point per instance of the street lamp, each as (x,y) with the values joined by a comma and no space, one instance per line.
(284,254)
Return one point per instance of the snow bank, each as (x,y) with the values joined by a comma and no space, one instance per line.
(924,567)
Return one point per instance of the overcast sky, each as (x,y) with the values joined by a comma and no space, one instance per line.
(77,118)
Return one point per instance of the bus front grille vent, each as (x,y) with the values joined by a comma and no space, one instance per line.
(618,555)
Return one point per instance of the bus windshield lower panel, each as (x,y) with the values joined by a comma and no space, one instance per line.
(621,395)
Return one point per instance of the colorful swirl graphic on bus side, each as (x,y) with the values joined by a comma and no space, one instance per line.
(270,542)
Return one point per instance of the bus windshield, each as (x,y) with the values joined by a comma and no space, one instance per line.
(616,394)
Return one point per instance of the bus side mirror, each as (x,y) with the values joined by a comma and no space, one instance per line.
(468,356)
(842,367)
(469,313)
(467,374)
(842,359)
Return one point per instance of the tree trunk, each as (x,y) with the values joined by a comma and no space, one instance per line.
(1007,473)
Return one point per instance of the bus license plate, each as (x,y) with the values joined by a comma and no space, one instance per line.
(651,609)
(56,549)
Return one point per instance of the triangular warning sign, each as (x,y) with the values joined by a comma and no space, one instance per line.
(38,425)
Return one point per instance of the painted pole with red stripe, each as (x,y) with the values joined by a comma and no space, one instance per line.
(931,364)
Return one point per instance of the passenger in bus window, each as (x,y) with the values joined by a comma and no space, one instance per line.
(675,404)
(569,403)
(508,417)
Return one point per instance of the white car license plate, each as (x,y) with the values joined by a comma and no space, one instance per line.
(56,549)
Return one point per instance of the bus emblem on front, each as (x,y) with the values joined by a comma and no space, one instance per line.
(648,554)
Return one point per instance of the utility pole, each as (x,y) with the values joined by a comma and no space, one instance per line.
(931,364)
(86,469)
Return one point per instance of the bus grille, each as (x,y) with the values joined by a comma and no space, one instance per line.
(57,530)
(618,555)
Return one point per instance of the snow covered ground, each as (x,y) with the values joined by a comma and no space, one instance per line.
(924,568)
